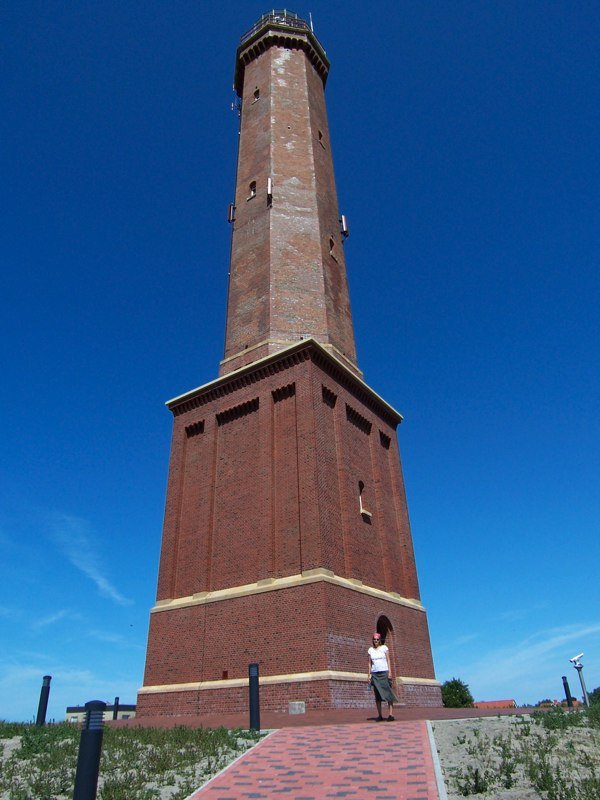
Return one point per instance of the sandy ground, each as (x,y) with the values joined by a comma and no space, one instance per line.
(467,744)
(500,748)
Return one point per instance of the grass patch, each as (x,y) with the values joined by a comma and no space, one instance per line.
(38,763)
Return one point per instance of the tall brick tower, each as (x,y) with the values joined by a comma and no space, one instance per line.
(286,538)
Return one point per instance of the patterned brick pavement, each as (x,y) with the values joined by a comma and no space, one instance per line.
(385,761)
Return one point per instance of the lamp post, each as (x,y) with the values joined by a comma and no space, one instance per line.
(43,704)
(576,661)
(90,750)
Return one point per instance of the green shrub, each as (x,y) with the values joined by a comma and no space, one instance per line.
(473,781)
(557,719)
(456,694)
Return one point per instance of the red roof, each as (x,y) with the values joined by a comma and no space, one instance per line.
(495,704)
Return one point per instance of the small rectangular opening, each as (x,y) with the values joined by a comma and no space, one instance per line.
(194,429)
(329,398)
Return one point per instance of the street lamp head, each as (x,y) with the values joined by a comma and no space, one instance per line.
(575,659)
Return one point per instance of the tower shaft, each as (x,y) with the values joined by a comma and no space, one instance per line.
(288,272)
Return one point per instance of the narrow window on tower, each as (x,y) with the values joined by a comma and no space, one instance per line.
(366,515)
(256,94)
(332,250)
(321,142)
(252,190)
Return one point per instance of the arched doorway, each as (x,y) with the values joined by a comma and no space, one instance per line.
(385,628)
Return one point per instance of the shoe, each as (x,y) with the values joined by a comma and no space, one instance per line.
(390,718)
(378,719)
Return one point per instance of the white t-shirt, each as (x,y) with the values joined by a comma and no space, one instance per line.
(379,660)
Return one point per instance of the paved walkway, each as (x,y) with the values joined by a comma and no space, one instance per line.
(369,761)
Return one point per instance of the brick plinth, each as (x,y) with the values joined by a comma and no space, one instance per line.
(419,696)
(317,695)
(309,628)
(286,542)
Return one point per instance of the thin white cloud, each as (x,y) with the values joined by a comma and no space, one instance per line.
(116,639)
(51,619)
(10,613)
(531,668)
(21,680)
(516,614)
(72,535)
(460,641)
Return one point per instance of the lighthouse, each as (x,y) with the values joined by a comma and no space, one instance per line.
(286,537)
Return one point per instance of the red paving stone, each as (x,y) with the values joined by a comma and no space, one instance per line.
(369,761)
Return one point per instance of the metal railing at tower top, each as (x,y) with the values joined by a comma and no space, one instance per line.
(282,17)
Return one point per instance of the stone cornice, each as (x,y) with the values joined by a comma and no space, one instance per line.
(284,343)
(289,582)
(282,35)
(270,680)
(277,362)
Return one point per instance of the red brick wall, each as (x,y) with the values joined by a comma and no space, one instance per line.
(285,531)
(337,298)
(316,694)
(308,628)
(269,487)
(175,651)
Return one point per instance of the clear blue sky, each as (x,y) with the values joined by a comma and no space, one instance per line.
(465,139)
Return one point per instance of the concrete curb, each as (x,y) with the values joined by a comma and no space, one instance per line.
(437,767)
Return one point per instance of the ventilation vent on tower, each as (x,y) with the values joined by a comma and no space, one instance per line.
(194,429)
(237,411)
(357,419)
(284,392)
(344,230)
(329,398)
(385,440)
(269,191)
(231,213)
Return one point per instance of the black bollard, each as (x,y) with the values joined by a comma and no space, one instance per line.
(43,704)
(253,697)
(116,709)
(90,749)
(567,691)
